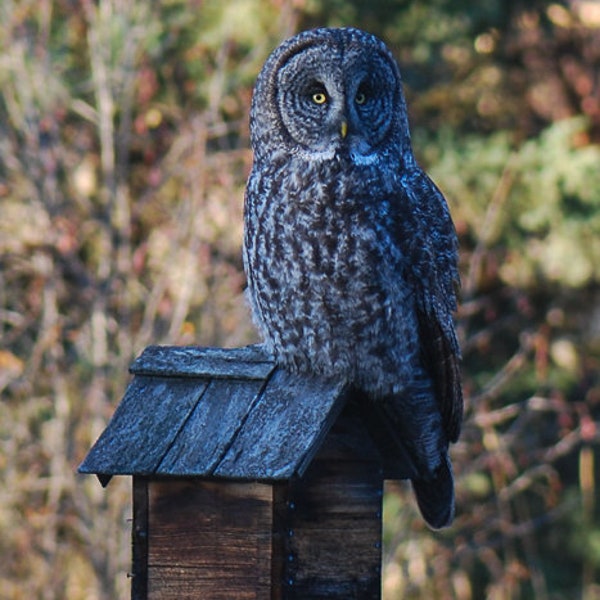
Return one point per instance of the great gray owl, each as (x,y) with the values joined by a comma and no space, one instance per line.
(349,248)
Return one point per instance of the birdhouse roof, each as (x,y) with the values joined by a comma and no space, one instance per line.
(214,412)
(223,413)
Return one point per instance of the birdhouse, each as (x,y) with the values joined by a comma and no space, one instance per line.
(248,481)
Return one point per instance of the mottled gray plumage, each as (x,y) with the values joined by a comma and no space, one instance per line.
(349,248)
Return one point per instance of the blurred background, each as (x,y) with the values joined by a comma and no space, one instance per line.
(123,155)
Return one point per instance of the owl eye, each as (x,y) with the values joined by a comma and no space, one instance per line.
(361,98)
(319,97)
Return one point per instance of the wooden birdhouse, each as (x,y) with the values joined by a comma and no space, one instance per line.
(248,481)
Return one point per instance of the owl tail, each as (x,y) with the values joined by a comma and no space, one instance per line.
(435,497)
(408,430)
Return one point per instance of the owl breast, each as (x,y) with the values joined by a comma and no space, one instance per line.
(326,279)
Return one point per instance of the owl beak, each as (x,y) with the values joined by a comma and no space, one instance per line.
(343,129)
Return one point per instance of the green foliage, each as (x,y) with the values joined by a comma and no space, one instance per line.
(544,217)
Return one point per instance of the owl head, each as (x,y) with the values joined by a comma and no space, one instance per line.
(328,92)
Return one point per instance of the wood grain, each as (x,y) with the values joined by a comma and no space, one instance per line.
(209,540)
(144,426)
(248,362)
(332,524)
(207,435)
(284,429)
(139,540)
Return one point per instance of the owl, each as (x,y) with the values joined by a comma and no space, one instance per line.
(349,248)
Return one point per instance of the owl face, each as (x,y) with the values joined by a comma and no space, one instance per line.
(332,92)
(330,99)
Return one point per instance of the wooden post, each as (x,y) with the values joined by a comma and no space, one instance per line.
(205,539)
(249,482)
(314,537)
(332,527)
(139,540)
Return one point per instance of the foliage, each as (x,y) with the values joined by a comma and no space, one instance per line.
(123,154)
(536,205)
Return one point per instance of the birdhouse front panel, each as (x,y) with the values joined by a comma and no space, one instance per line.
(206,539)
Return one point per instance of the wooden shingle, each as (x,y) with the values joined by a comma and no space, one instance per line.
(211,412)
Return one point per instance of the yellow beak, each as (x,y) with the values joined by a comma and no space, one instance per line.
(344,129)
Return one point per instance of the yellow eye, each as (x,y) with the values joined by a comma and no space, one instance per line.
(360,98)
(319,97)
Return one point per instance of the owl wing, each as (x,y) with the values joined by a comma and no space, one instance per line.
(427,237)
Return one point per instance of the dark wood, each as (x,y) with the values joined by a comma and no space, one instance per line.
(249,362)
(144,426)
(284,429)
(207,435)
(314,537)
(139,540)
(209,540)
(249,481)
(280,528)
(334,535)
(332,523)
(249,429)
